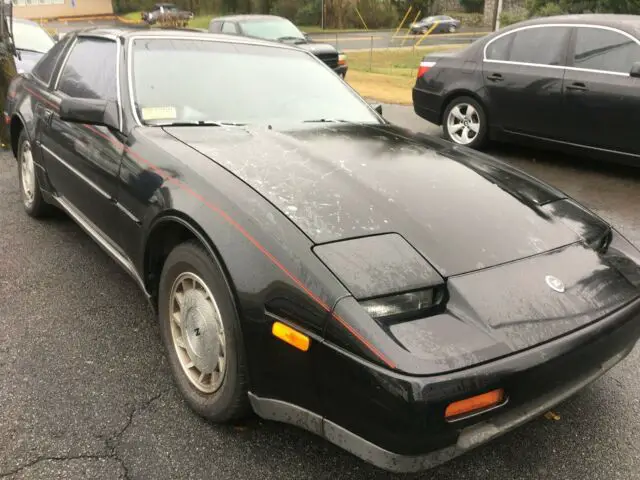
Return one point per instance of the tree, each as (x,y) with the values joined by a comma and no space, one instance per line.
(539,7)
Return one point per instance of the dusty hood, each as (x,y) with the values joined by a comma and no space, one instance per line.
(460,210)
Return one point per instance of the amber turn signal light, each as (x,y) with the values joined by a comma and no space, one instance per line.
(474,404)
(291,336)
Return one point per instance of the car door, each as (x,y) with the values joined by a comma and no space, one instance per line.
(83,161)
(602,100)
(523,74)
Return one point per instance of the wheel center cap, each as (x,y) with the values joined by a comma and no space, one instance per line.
(200,327)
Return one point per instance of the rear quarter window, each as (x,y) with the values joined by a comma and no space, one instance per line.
(499,49)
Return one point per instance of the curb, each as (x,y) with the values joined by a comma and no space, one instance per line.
(79,18)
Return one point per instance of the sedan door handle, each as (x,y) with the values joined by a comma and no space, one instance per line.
(578,86)
(495,77)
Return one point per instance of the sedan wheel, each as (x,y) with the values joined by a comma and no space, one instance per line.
(32,200)
(201,332)
(465,122)
(27,174)
(452,28)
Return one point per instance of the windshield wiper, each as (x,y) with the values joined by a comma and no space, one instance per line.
(325,120)
(198,123)
(29,50)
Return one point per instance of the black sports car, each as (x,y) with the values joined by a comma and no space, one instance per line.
(406,298)
(568,83)
(279,29)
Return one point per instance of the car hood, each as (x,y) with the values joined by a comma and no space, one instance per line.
(317,48)
(461,210)
(380,202)
(27,60)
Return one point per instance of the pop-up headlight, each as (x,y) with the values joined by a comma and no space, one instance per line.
(411,303)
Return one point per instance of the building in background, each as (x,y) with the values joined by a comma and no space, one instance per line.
(36,9)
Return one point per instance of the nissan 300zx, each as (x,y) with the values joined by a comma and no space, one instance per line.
(405,298)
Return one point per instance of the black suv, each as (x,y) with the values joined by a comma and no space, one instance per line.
(271,27)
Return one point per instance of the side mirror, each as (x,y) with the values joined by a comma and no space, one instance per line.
(635,70)
(90,112)
(377,107)
(306,36)
(56,36)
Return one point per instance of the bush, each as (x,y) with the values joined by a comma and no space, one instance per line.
(285,8)
(472,6)
(468,19)
(310,13)
(549,10)
(509,18)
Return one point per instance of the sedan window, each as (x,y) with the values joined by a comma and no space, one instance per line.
(542,45)
(238,83)
(90,71)
(499,49)
(43,70)
(600,49)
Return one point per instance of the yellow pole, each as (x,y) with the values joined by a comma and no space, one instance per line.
(427,33)
(409,29)
(402,22)
(362,19)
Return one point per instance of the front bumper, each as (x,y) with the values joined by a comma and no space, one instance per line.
(396,422)
(341,70)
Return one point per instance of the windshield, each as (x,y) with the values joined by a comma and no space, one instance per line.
(31,37)
(193,80)
(271,29)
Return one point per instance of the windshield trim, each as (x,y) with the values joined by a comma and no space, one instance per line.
(237,41)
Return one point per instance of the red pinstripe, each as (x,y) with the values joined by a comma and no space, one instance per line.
(240,229)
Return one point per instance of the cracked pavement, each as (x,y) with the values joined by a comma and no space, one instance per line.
(85,390)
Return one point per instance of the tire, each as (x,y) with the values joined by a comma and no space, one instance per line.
(228,401)
(476,117)
(30,193)
(452,29)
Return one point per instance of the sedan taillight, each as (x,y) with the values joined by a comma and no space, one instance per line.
(425,67)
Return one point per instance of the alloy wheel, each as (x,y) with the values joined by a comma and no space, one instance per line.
(197,332)
(463,123)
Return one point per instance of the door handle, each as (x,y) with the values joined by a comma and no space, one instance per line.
(495,77)
(577,86)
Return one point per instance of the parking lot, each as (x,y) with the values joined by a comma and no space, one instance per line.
(86,392)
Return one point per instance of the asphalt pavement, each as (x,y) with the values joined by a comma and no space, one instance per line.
(85,391)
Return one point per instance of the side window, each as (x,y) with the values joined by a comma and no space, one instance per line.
(542,45)
(599,49)
(90,70)
(215,27)
(43,70)
(229,27)
(499,49)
